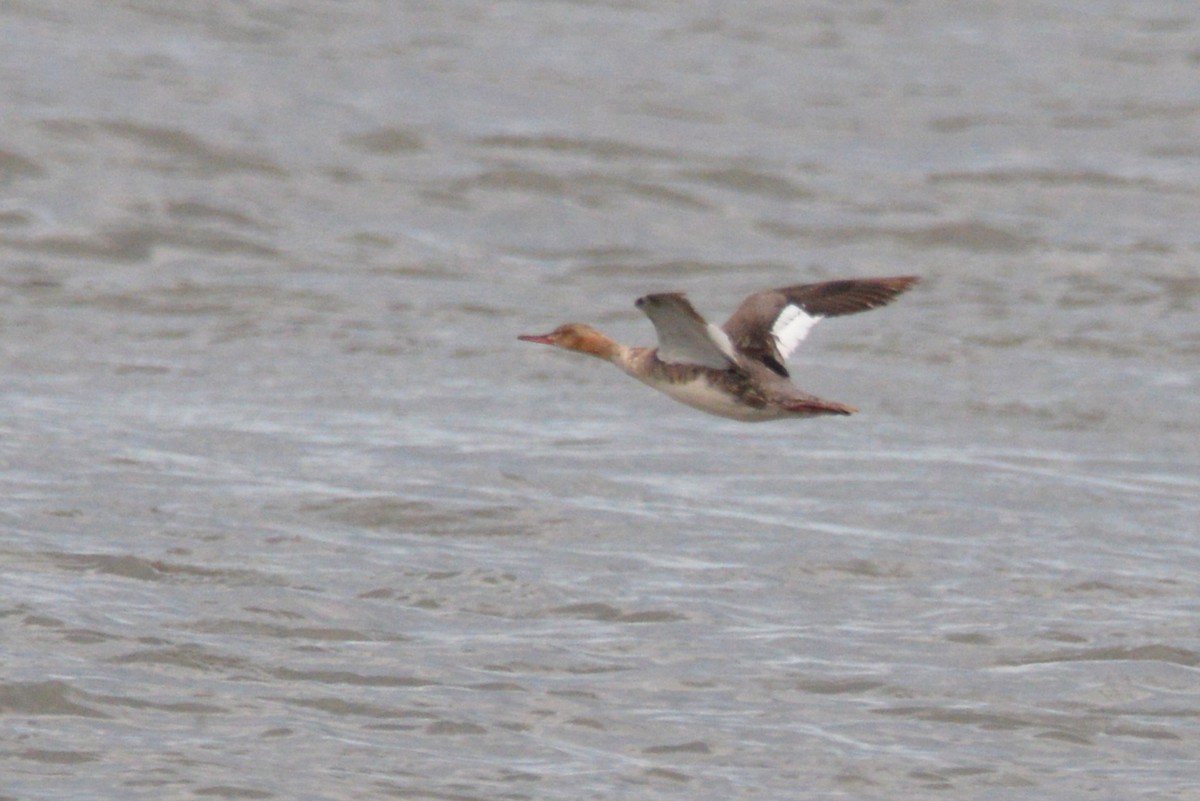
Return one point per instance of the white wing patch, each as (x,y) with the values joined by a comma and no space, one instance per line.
(684,337)
(682,341)
(722,341)
(791,327)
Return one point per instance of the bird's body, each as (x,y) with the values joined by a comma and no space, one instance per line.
(735,371)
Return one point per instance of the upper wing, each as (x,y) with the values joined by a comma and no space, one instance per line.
(769,325)
(684,337)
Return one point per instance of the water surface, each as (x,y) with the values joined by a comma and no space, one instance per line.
(289,513)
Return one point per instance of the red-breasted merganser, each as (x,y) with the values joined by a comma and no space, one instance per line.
(736,371)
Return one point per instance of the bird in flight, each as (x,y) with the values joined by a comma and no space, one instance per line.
(737,370)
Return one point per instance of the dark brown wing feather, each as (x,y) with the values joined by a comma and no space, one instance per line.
(750,326)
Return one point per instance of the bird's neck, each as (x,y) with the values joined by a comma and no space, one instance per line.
(602,347)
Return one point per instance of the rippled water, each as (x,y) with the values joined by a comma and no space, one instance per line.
(289,513)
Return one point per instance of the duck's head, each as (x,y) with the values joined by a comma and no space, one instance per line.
(576,337)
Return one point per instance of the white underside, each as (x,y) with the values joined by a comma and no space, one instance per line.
(700,394)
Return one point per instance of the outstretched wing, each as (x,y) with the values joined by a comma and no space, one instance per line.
(769,325)
(684,337)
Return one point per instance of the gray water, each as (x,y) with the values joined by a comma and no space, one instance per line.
(288,512)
